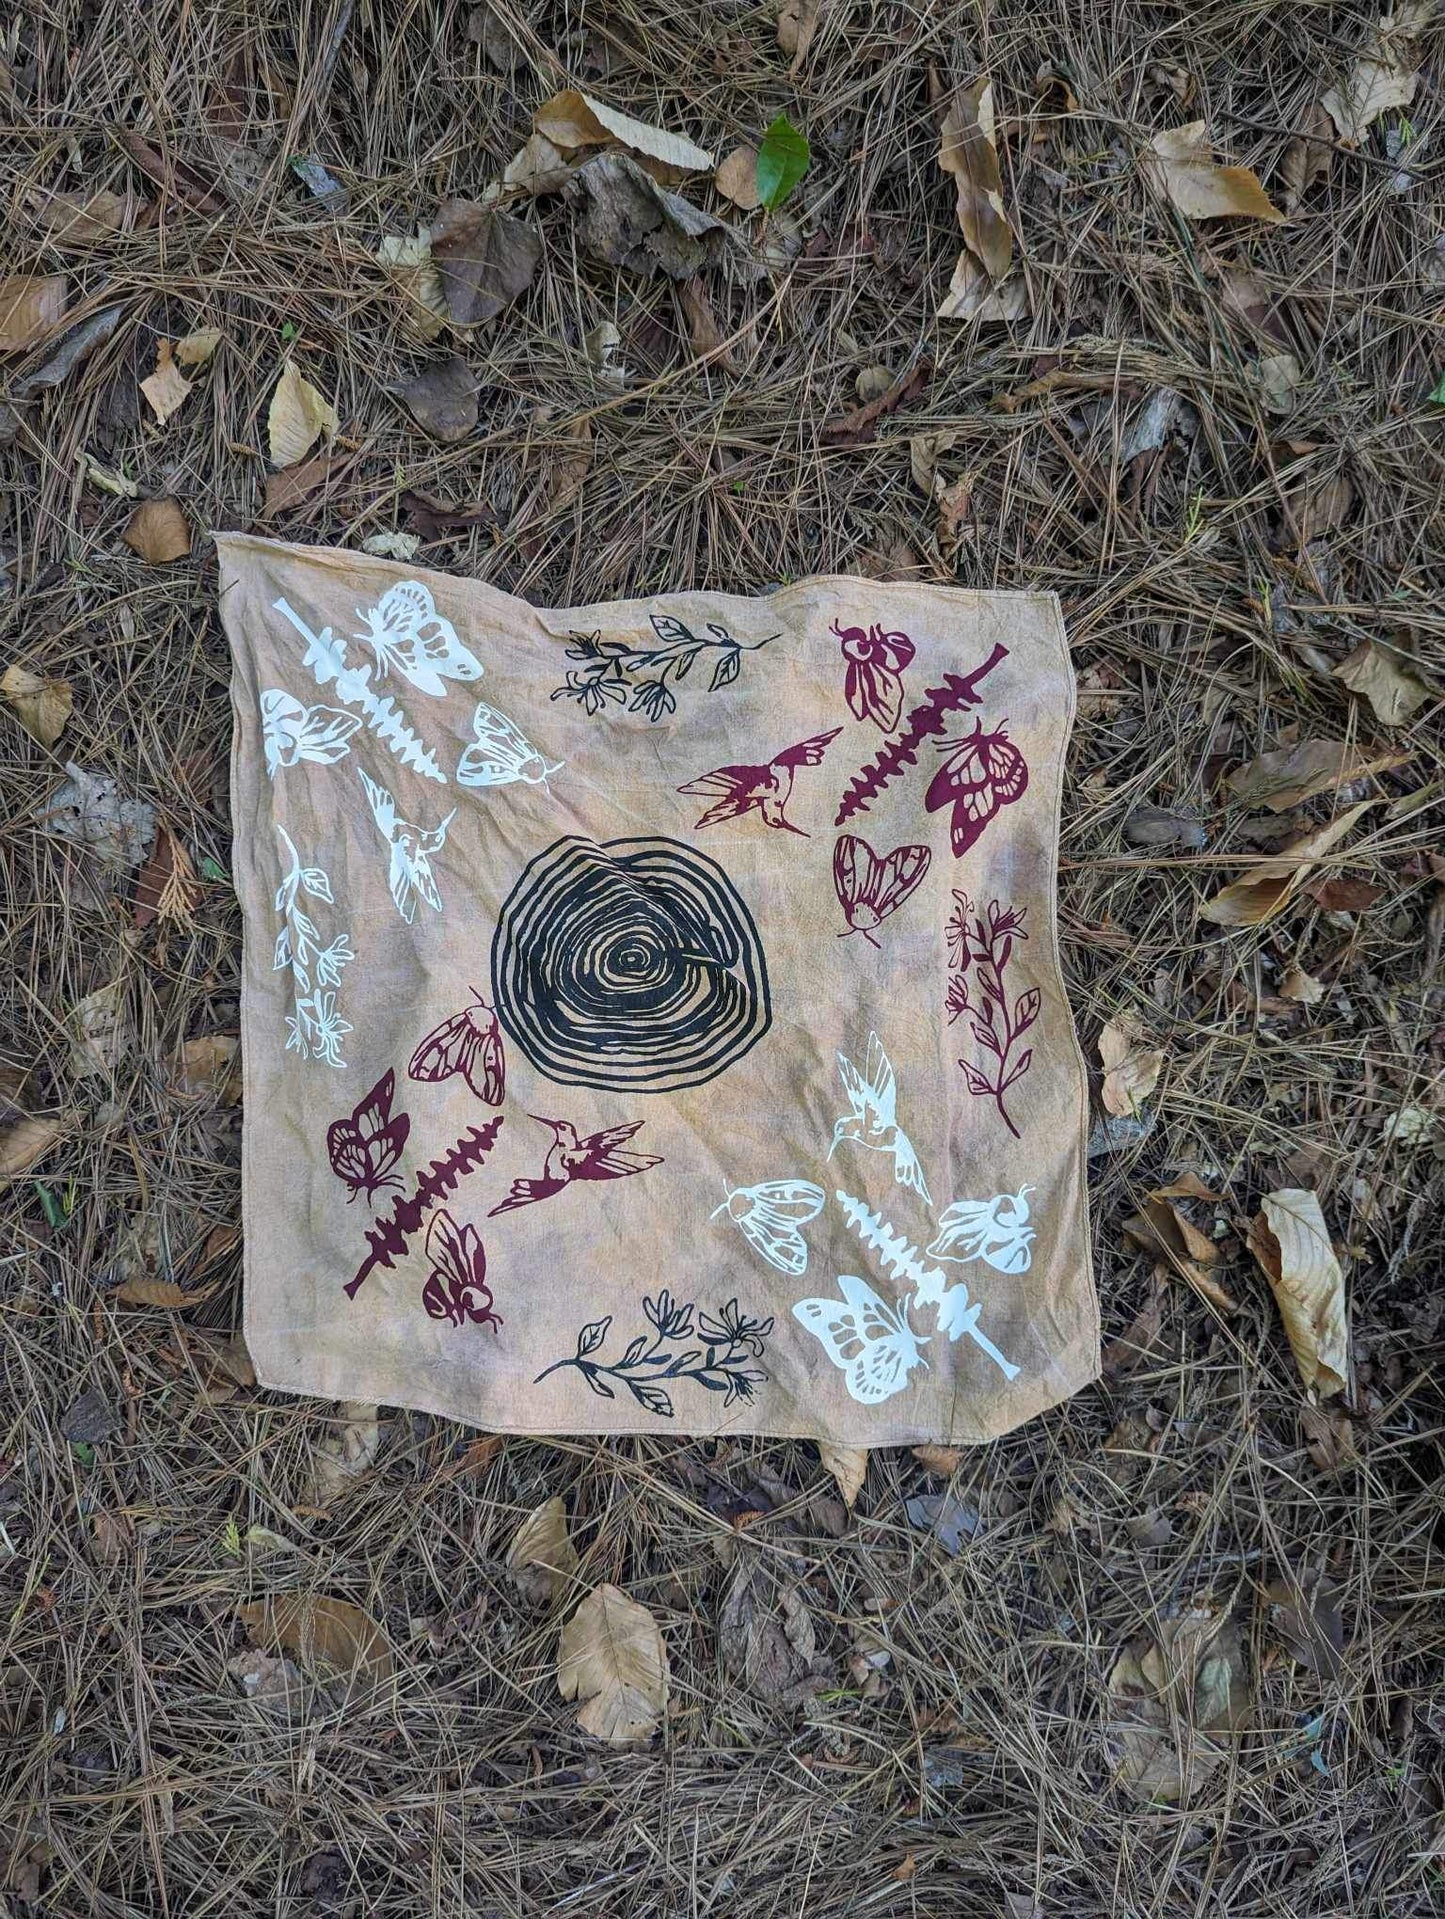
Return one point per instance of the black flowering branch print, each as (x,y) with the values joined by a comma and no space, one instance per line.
(644,679)
(717,1360)
(980,946)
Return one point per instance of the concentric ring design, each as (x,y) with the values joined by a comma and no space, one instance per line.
(631,964)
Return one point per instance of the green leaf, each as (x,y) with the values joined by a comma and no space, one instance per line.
(231,1537)
(54,1211)
(83,1451)
(213,869)
(782,161)
(1437,392)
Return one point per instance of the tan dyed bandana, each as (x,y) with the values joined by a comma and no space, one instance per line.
(652,1017)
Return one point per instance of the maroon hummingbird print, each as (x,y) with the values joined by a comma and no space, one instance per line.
(762,789)
(569,1157)
(873,684)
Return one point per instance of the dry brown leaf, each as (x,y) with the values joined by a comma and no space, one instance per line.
(737,178)
(1301,987)
(166,887)
(442,398)
(1246,295)
(1277,375)
(158,531)
(1171,1698)
(198,348)
(543,1561)
(485,258)
(1268,888)
(955,510)
(42,706)
(296,484)
(412,271)
(1291,1241)
(1131,1069)
(334,1637)
(872,380)
(570,469)
(849,1467)
(31,304)
(223,1367)
(627,219)
(797,23)
(297,418)
(1375,672)
(613,1660)
(1293,774)
(967,151)
(537,167)
(1180,1248)
(212,1064)
(346,1453)
(1329,1437)
(148,1289)
(972,295)
(167,389)
(571,120)
(98,1041)
(1305,1613)
(75,218)
(1383,75)
(766,1634)
(25,1143)
(943,1460)
(1135,1345)
(1182,161)
(702,322)
(1308,157)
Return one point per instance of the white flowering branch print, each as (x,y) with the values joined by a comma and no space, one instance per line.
(316,1029)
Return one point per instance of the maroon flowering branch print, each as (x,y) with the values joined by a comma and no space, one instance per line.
(980,946)
(927,720)
(387,1239)
(873,684)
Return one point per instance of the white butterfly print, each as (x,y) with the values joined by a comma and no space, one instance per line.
(410,876)
(871,1341)
(873,1121)
(996,1231)
(501,754)
(770,1215)
(291,732)
(406,633)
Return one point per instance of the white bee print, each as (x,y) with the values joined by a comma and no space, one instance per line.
(996,1231)
(501,754)
(770,1216)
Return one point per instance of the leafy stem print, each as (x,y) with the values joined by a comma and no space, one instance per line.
(724,1341)
(980,947)
(644,679)
(315,1029)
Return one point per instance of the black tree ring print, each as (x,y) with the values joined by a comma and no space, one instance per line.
(644,679)
(980,947)
(717,1361)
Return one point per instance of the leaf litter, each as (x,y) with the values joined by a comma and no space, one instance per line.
(613,1662)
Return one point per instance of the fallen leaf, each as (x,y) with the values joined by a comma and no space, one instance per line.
(108,481)
(347,1453)
(797,23)
(972,295)
(1338,893)
(269,1681)
(180,180)
(613,1660)
(89,1419)
(27,1142)
(31,305)
(950,1522)
(294,485)
(571,119)
(1179,1248)
(297,418)
(569,471)
(1158,826)
(486,259)
(487,29)
(91,810)
(76,219)
(1329,1437)
(1131,1069)
(442,398)
(1136,1344)
(1263,892)
(198,348)
(167,389)
(943,1460)
(42,706)
(1308,157)
(1169,1699)
(1181,160)
(630,221)
(765,1633)
(1306,1614)
(409,266)
(75,347)
(334,1637)
(602,345)
(849,1467)
(166,887)
(1277,374)
(149,1289)
(542,1561)
(1383,75)
(390,544)
(434,518)
(737,178)
(1247,295)
(859,427)
(1375,672)
(158,531)
(968,152)
(538,167)
(782,161)
(212,1064)
(702,323)
(1287,778)
(925,450)
(98,1041)
(1301,987)
(1290,1240)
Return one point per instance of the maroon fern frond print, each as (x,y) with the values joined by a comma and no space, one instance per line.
(387,1239)
(928,719)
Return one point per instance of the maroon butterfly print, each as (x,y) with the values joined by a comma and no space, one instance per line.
(456,1288)
(982,773)
(364,1149)
(469,1043)
(873,684)
(869,889)
(764,789)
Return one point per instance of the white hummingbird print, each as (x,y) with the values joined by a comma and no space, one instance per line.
(410,876)
(873,1122)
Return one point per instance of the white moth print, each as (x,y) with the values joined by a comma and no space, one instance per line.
(501,754)
(410,876)
(409,637)
(996,1231)
(873,1118)
(869,1340)
(291,732)
(770,1217)
(315,1029)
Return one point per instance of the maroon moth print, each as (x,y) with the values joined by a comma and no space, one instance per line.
(456,1288)
(982,773)
(764,789)
(980,946)
(873,685)
(926,721)
(869,889)
(596,1156)
(364,1149)
(469,1043)
(387,1239)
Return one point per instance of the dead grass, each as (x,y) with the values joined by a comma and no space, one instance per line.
(1203,624)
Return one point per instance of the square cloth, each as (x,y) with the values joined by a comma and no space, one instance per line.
(652,1017)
